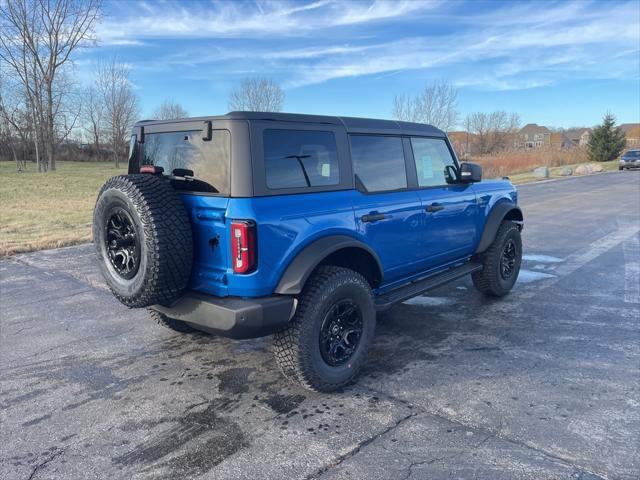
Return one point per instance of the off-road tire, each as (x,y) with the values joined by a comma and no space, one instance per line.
(489,280)
(165,239)
(297,349)
(171,323)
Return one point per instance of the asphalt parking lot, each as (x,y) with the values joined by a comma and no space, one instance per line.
(542,384)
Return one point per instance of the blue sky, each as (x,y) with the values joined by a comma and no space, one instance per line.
(556,63)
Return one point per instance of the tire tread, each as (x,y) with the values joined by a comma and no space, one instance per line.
(487,280)
(292,355)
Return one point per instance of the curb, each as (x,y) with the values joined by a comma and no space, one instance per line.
(568,177)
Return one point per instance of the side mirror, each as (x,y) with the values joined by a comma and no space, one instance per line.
(470,172)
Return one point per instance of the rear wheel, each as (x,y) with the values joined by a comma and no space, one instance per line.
(501,262)
(326,342)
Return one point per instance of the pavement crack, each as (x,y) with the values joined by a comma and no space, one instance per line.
(522,444)
(359,447)
(21,330)
(413,464)
(486,431)
(55,454)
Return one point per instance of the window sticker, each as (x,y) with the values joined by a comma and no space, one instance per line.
(326,170)
(427,166)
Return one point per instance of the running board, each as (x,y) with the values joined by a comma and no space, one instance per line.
(413,289)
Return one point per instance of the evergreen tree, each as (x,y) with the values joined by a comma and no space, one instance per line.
(607,141)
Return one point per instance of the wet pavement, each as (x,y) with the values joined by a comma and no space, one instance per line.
(543,384)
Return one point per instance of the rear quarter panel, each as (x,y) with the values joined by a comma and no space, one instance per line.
(285,225)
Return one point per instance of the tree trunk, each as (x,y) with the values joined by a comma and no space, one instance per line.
(115,154)
(50,140)
(36,141)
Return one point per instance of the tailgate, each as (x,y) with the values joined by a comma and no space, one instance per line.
(210,243)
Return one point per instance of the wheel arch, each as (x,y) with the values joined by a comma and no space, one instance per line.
(505,210)
(338,250)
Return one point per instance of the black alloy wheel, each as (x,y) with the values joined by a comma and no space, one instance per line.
(122,242)
(508,260)
(340,332)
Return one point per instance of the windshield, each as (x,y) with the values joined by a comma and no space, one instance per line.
(632,154)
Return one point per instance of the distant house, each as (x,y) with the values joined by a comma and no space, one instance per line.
(463,143)
(579,136)
(561,141)
(632,132)
(533,135)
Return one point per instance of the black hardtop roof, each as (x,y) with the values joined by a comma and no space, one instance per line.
(351,124)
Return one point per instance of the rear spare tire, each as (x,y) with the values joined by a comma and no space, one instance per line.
(143,239)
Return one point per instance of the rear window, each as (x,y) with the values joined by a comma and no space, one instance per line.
(300,158)
(209,160)
(379,162)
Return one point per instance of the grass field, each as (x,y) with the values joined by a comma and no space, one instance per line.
(53,209)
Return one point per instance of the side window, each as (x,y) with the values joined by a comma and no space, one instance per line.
(432,157)
(379,162)
(300,158)
(209,161)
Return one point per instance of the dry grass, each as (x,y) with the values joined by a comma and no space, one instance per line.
(519,161)
(554,172)
(49,210)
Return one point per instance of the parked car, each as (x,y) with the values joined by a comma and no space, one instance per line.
(300,226)
(630,159)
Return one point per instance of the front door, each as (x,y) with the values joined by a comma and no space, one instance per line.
(451,224)
(388,215)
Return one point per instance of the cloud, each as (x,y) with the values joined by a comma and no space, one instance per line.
(225,19)
(507,46)
(577,42)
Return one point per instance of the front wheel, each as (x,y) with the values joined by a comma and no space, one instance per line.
(501,262)
(326,342)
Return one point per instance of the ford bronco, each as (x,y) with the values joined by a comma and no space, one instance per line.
(301,226)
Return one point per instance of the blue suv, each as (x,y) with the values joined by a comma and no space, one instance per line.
(300,226)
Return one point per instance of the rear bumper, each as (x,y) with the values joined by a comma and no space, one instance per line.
(232,317)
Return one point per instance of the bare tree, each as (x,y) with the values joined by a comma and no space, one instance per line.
(37,40)
(492,131)
(93,116)
(120,105)
(436,105)
(257,95)
(170,110)
(15,123)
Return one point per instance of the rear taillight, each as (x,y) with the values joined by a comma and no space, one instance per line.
(243,246)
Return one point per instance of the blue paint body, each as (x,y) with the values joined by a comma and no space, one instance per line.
(410,242)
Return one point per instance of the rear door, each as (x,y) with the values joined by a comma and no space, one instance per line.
(451,208)
(388,214)
(199,169)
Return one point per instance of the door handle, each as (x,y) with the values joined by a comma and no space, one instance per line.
(434,207)
(373,217)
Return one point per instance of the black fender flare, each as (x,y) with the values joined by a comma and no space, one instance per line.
(501,211)
(299,269)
